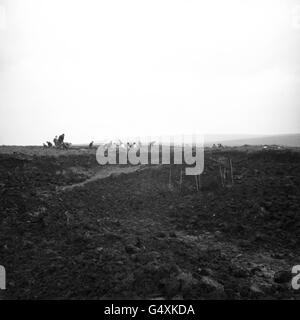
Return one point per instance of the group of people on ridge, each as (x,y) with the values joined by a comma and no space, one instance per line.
(58,143)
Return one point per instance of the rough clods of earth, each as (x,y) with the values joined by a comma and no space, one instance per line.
(133,236)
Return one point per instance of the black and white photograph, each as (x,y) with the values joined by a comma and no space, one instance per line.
(150,151)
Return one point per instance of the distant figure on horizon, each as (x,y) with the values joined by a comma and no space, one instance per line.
(55,140)
(61,139)
(91,144)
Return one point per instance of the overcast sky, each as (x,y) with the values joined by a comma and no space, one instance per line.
(101,69)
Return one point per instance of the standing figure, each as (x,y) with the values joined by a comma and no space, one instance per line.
(61,140)
(55,141)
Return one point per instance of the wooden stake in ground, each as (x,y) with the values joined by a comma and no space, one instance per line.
(221,175)
(231,171)
(196,182)
(180,181)
(199,183)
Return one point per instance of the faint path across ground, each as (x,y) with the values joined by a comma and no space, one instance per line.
(102,174)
